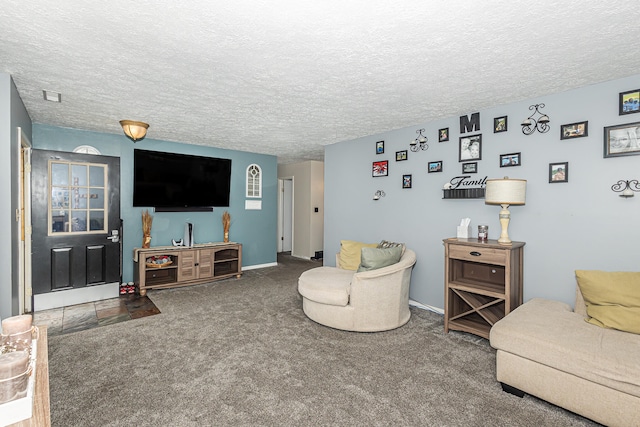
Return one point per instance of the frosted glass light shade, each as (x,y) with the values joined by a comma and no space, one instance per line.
(134,130)
(505,191)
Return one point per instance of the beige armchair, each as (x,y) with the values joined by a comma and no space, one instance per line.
(369,301)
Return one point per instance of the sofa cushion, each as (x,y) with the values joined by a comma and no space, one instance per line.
(374,258)
(387,244)
(612,298)
(549,333)
(326,285)
(349,258)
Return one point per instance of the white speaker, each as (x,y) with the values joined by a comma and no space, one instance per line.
(188,235)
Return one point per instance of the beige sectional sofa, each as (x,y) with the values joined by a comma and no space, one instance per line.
(549,351)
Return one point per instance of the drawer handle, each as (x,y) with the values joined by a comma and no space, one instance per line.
(474,253)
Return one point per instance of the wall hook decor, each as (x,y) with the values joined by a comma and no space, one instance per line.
(626,188)
(530,124)
(420,143)
(378,194)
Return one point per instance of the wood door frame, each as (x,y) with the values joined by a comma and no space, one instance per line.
(23,217)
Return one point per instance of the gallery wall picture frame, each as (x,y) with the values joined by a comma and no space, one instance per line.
(435,166)
(574,130)
(380,147)
(471,167)
(401,155)
(470,148)
(500,124)
(629,102)
(380,168)
(559,172)
(406,181)
(510,159)
(622,140)
(443,135)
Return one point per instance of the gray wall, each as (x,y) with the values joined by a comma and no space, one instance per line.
(13,115)
(581,224)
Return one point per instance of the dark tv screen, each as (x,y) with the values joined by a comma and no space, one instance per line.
(180,181)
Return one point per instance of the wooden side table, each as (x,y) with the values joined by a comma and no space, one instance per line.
(483,283)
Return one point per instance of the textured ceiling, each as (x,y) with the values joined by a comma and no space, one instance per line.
(286,77)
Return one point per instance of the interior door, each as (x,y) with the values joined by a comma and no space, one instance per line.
(287,215)
(76,221)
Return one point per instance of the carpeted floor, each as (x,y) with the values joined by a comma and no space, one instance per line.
(240,352)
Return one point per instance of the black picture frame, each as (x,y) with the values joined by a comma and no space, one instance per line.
(622,140)
(380,168)
(401,155)
(510,160)
(471,167)
(470,148)
(435,166)
(380,147)
(629,102)
(574,130)
(558,172)
(500,124)
(407,181)
(443,135)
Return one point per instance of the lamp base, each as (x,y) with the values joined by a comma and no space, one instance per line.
(505,217)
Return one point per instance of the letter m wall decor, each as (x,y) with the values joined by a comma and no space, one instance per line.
(470,124)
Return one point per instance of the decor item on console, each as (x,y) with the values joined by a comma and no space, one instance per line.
(371,295)
(530,124)
(226,223)
(626,188)
(147,220)
(505,192)
(134,130)
(564,357)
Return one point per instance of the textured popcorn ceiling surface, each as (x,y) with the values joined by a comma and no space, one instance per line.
(287,77)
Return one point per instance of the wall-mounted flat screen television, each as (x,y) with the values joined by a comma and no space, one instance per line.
(180,182)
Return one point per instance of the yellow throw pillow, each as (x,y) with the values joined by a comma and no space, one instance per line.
(350,253)
(612,298)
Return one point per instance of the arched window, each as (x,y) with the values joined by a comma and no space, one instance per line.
(254,181)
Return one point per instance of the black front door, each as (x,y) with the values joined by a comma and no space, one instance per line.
(76,220)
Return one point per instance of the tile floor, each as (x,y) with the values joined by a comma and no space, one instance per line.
(94,314)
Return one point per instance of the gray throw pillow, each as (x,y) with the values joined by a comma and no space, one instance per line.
(374,258)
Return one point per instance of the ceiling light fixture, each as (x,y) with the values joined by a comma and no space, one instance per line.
(529,125)
(134,130)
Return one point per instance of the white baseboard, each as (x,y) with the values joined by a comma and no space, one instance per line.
(75,296)
(254,267)
(426,307)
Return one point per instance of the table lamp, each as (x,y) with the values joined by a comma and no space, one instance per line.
(505,192)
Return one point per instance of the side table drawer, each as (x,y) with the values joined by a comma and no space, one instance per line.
(474,254)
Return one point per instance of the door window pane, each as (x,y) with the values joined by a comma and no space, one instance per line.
(59,174)
(78,197)
(96,176)
(79,174)
(96,220)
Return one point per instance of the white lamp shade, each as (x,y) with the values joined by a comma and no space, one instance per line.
(134,130)
(505,191)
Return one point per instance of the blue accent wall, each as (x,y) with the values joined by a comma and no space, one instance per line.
(255,229)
